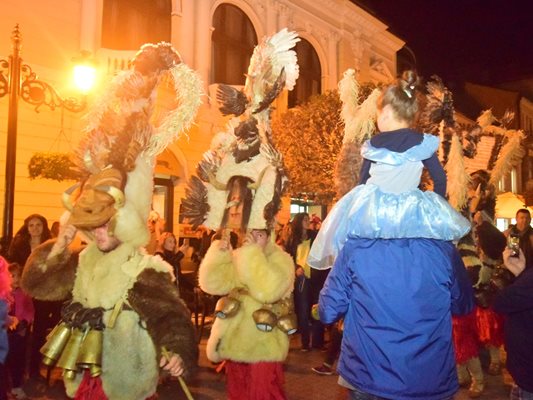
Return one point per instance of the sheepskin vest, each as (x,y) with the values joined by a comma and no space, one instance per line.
(267,276)
(129,365)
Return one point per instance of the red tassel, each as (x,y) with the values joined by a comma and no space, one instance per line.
(490,326)
(90,388)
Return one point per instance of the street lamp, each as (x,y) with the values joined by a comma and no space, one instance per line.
(19,82)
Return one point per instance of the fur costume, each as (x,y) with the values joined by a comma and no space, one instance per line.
(239,186)
(268,276)
(141,312)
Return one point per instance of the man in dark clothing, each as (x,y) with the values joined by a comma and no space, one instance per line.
(516,302)
(523,230)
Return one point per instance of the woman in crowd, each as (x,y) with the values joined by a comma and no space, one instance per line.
(34,232)
(47,313)
(169,252)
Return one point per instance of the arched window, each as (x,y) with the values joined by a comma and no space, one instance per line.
(309,81)
(234,39)
(128,24)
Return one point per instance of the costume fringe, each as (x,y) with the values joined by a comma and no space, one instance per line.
(90,388)
(458,179)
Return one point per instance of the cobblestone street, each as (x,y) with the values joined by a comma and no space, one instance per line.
(301,383)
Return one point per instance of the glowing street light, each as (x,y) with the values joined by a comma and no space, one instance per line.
(19,82)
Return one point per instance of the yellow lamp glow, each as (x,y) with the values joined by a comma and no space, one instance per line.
(84,77)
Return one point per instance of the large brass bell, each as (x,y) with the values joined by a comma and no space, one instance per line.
(288,324)
(69,358)
(90,355)
(265,320)
(226,307)
(55,343)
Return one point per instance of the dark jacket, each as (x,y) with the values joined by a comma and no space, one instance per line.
(516,302)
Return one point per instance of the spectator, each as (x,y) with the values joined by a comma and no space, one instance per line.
(47,313)
(168,252)
(34,232)
(5,300)
(298,246)
(516,302)
(21,313)
(523,230)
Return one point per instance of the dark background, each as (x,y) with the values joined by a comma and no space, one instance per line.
(482,41)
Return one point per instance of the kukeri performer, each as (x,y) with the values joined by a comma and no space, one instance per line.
(239,188)
(124,318)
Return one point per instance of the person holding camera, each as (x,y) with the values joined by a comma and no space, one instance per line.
(516,302)
(523,231)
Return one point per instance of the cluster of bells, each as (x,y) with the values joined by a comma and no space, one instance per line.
(270,316)
(74,349)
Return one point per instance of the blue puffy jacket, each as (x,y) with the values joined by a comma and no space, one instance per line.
(397,297)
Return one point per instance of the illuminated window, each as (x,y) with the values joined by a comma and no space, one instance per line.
(234,39)
(128,24)
(308,83)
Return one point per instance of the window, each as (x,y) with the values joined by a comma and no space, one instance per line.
(309,81)
(234,39)
(128,24)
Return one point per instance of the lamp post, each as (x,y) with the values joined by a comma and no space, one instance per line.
(19,82)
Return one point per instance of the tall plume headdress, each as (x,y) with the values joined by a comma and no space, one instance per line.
(359,124)
(143,110)
(245,152)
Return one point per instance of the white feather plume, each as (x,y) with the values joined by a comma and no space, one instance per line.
(458,179)
(510,155)
(188,90)
(486,119)
(349,95)
(268,59)
(363,124)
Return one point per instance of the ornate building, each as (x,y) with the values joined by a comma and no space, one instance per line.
(214,37)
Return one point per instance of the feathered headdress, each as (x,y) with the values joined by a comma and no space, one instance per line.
(359,125)
(246,149)
(142,112)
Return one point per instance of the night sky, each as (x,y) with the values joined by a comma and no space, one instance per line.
(482,41)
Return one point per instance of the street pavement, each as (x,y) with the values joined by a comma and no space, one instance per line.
(300,382)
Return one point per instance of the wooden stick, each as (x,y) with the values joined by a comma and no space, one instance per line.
(183,385)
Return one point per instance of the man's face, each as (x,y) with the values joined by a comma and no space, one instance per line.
(103,240)
(522,221)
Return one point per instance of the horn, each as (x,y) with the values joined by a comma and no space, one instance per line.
(213,181)
(256,184)
(66,197)
(89,164)
(116,194)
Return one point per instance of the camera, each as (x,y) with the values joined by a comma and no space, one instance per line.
(513,243)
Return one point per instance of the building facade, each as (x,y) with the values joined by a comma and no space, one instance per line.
(214,37)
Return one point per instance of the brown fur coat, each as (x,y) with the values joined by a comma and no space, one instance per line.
(156,316)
